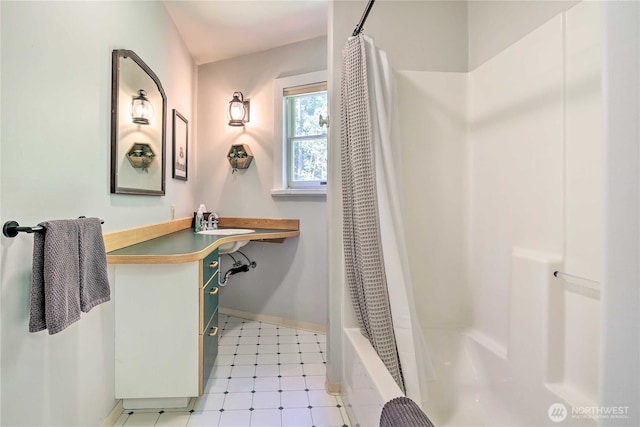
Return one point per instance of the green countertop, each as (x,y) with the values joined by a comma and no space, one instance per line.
(186,245)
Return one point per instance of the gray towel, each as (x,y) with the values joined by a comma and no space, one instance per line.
(403,412)
(69,273)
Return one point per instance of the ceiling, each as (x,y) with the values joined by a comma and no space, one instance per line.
(219,29)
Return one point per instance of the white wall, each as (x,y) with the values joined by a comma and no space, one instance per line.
(290,280)
(495,25)
(56,96)
(1,246)
(417,35)
(620,355)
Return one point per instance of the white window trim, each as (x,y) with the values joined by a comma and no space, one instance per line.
(280,186)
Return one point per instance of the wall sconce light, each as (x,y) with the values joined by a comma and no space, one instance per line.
(141,108)
(238,110)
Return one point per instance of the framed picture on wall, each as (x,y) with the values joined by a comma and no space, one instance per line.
(180,146)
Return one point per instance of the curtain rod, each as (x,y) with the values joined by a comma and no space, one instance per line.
(360,25)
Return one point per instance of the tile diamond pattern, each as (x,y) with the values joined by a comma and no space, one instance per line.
(264,376)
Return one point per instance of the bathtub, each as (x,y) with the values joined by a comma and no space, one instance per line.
(549,359)
(474,386)
(367,382)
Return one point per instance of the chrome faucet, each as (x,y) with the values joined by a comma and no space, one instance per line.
(213,221)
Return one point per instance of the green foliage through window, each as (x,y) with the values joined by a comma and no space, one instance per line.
(306,139)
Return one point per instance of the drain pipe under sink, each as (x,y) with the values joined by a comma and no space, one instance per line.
(238,267)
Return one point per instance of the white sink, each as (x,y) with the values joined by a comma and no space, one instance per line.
(227,231)
(227,248)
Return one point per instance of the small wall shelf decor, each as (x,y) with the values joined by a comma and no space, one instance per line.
(240,157)
(140,156)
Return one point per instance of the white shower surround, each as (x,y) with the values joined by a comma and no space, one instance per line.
(501,206)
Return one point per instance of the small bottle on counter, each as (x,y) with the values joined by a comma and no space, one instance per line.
(199,219)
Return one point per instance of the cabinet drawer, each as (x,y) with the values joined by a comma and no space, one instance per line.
(209,349)
(208,302)
(209,267)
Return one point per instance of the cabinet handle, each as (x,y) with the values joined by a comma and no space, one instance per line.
(214,291)
(213,332)
(213,264)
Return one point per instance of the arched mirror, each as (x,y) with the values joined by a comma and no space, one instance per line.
(138,118)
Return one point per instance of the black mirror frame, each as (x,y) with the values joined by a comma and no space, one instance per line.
(115,79)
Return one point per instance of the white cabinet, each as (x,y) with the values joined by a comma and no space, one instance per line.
(166,331)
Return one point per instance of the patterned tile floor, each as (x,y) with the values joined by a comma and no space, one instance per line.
(264,375)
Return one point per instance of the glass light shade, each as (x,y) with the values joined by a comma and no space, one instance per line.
(238,110)
(141,108)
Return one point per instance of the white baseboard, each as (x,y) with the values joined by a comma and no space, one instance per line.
(113,416)
(280,321)
(159,403)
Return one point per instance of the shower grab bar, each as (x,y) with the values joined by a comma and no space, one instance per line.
(12,228)
(579,281)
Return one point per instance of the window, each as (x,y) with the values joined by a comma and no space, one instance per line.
(306,139)
(300,151)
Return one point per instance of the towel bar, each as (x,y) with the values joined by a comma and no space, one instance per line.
(12,228)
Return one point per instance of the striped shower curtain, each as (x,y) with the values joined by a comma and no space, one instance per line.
(376,262)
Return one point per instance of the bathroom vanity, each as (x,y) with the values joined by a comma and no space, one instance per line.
(166,306)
